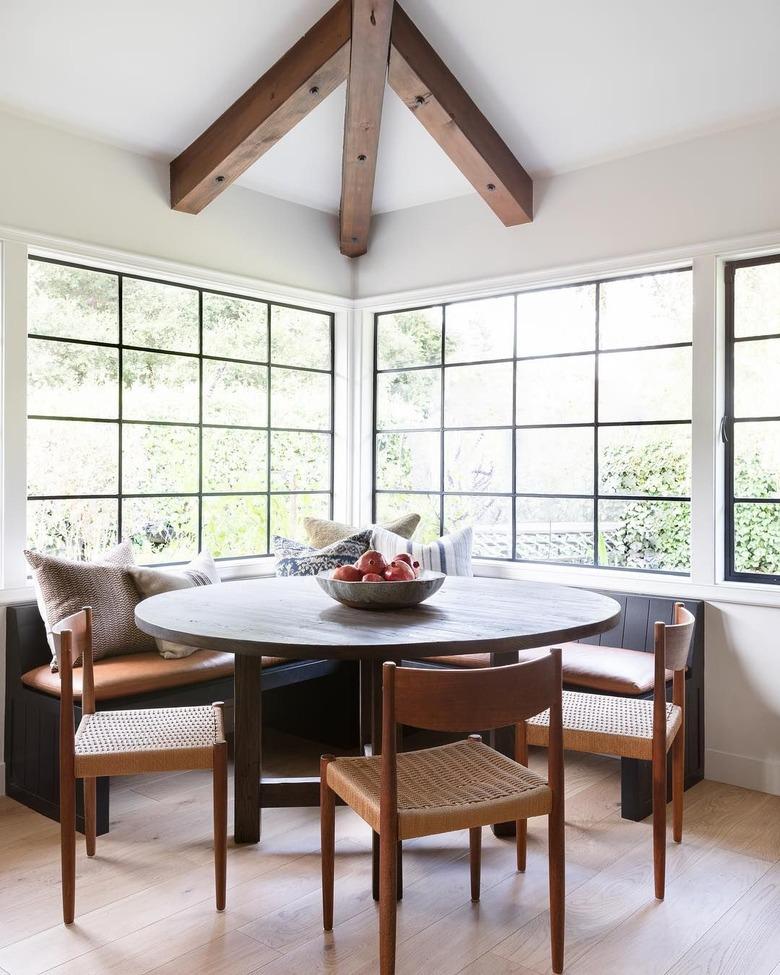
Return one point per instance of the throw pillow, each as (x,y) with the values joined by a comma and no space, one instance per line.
(450,554)
(322,532)
(202,571)
(66,586)
(295,559)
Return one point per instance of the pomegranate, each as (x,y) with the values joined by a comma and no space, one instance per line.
(371,561)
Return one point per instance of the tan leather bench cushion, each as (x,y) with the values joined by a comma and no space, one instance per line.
(611,669)
(141,673)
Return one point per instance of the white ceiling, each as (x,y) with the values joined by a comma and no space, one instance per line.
(566,83)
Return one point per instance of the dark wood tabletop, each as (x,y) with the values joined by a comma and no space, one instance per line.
(293,617)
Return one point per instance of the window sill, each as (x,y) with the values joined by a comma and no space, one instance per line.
(657,584)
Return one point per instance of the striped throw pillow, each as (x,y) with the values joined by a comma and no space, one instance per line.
(450,554)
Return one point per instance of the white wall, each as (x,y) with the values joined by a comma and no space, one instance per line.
(718,187)
(63,185)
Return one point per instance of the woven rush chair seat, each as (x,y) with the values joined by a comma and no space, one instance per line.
(126,742)
(449,787)
(603,725)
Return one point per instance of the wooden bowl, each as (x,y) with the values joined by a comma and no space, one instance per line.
(382,595)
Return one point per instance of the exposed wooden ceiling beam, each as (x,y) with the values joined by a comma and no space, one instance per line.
(371,20)
(314,67)
(429,89)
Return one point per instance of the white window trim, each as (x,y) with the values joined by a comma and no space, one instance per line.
(353,383)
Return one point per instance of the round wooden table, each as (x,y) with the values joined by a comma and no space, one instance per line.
(292,617)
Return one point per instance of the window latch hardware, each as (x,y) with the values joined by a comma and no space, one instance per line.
(724,429)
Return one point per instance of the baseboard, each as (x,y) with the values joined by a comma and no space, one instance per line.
(750,773)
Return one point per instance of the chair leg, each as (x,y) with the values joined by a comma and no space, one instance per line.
(475,853)
(327,842)
(90,815)
(68,847)
(659,826)
(220,823)
(522,843)
(678,784)
(388,903)
(557,869)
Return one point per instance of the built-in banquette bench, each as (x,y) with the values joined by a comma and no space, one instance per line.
(620,662)
(146,680)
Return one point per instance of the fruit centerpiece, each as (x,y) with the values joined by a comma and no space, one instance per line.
(374,583)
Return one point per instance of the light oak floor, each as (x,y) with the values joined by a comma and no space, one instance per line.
(145,903)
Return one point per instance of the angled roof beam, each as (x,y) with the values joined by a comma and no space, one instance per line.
(314,67)
(429,89)
(371,21)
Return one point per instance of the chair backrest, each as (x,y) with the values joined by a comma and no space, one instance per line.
(469,699)
(673,640)
(73,641)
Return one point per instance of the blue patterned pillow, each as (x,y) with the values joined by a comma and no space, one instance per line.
(296,559)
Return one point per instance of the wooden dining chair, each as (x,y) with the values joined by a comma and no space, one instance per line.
(633,728)
(463,785)
(125,743)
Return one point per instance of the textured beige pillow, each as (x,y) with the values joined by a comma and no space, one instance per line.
(66,586)
(322,532)
(202,571)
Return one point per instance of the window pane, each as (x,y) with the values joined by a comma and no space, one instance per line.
(480,330)
(645,534)
(478,461)
(390,506)
(159,460)
(72,380)
(300,399)
(653,385)
(408,399)
(555,461)
(289,510)
(159,316)
(408,460)
(409,338)
(654,309)
(757,538)
(159,387)
(645,460)
(757,460)
(235,460)
(161,529)
(491,519)
(476,396)
(300,338)
(236,328)
(556,390)
(756,368)
(557,320)
(65,457)
(72,302)
(72,529)
(300,461)
(235,393)
(757,300)
(555,530)
(235,526)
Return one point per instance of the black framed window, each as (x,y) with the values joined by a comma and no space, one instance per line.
(176,416)
(751,426)
(557,421)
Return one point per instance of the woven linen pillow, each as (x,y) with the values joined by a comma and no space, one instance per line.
(296,559)
(450,554)
(202,571)
(321,532)
(66,586)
